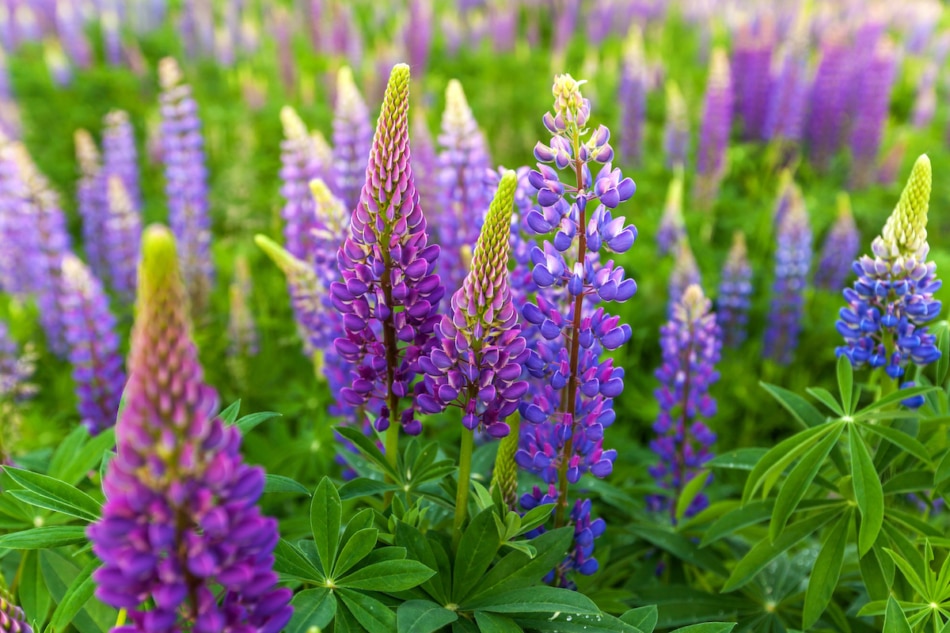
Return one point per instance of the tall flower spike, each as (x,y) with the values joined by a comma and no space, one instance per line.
(751,64)
(839,250)
(788,97)
(476,363)
(186,182)
(93,346)
(892,300)
(426,163)
(676,128)
(91,201)
(121,235)
(672,225)
(714,129)
(119,155)
(12,618)
(388,295)
(792,263)
(299,165)
(352,136)
(735,293)
(690,341)
(183,544)
(633,95)
(870,117)
(828,110)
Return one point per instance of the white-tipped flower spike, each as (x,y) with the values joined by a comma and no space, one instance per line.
(905,232)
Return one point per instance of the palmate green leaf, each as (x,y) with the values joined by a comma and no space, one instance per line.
(894,619)
(825,397)
(418,548)
(644,618)
(355,550)
(736,519)
(801,409)
(738,459)
(900,439)
(692,488)
(252,420)
(535,517)
(46,503)
(58,492)
(867,492)
(326,516)
(799,481)
(919,584)
(517,569)
(372,614)
(312,608)
(279,483)
(290,561)
(61,575)
(72,461)
(77,596)
(365,487)
(33,594)
(369,450)
(766,550)
(827,570)
(540,599)
(423,616)
(779,457)
(47,537)
(893,398)
(909,481)
(680,546)
(387,576)
(464,626)
(495,623)
(230,414)
(476,550)
(872,573)
(846,383)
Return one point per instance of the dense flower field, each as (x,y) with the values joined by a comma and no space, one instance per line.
(473,315)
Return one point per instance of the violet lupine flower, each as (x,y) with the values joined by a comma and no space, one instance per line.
(788,97)
(735,293)
(388,295)
(186,182)
(70,27)
(18,232)
(676,128)
(867,127)
(714,129)
(892,300)
(12,618)
(562,441)
(299,165)
(121,239)
(119,155)
(418,34)
(463,165)
(685,273)
(751,68)
(828,110)
(352,136)
(426,163)
(183,544)
(91,201)
(476,363)
(633,97)
(839,250)
(672,225)
(792,263)
(93,346)
(691,345)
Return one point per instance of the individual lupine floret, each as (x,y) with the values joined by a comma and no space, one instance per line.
(389,294)
(788,97)
(714,129)
(119,154)
(672,224)
(691,345)
(121,237)
(91,201)
(676,127)
(892,300)
(735,293)
(352,136)
(751,67)
(792,263)
(299,165)
(633,97)
(463,164)
(183,544)
(685,272)
(186,182)
(12,618)
(93,346)
(867,126)
(839,250)
(565,418)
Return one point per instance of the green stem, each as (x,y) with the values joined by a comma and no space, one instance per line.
(465,474)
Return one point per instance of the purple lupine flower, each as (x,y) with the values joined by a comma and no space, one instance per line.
(18,234)
(121,239)
(560,441)
(691,345)
(418,34)
(839,250)
(828,103)
(751,68)
(476,363)
(299,165)
(93,346)
(633,97)
(502,25)
(181,538)
(70,27)
(376,311)
(867,127)
(463,165)
(714,129)
(685,273)
(91,201)
(119,155)
(12,618)
(672,225)
(352,136)
(735,293)
(792,262)
(426,163)
(892,300)
(186,182)
(788,97)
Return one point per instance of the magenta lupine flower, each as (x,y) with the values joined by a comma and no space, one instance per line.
(183,544)
(352,136)
(299,165)
(751,68)
(388,295)
(560,441)
(792,263)
(672,224)
(12,618)
(93,346)
(867,127)
(463,165)
(839,249)
(476,362)
(714,129)
(676,127)
(788,97)
(186,182)
(828,103)
(121,239)
(119,155)
(735,293)
(691,345)
(633,97)
(91,201)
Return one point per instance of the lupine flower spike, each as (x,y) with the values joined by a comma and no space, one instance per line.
(183,544)
(735,293)
(867,127)
(839,250)
(714,131)
(122,234)
(352,135)
(672,225)
(633,96)
(388,295)
(690,341)
(892,300)
(299,165)
(91,201)
(12,618)
(119,155)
